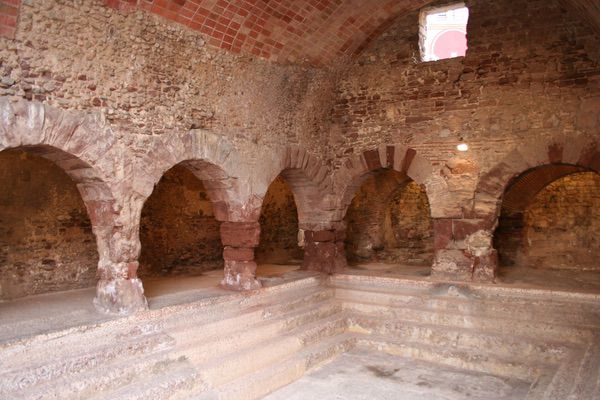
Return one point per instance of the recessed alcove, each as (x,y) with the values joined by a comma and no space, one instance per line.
(389,224)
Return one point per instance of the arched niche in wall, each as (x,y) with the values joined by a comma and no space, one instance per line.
(388,221)
(550,219)
(46,238)
(279,226)
(179,233)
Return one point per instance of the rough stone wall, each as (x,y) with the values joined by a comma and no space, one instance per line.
(562,225)
(150,76)
(407,228)
(389,221)
(278,226)
(46,241)
(9,12)
(178,231)
(522,77)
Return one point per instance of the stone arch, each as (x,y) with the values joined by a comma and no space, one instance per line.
(88,152)
(309,180)
(518,196)
(229,178)
(397,157)
(477,234)
(578,152)
(209,157)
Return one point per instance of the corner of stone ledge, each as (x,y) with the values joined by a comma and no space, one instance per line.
(120,297)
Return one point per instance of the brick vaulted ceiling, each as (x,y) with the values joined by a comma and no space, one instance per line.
(314,31)
(287,31)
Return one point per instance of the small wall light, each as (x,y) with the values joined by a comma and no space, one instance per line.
(462,146)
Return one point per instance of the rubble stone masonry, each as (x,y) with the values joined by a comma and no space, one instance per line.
(117,93)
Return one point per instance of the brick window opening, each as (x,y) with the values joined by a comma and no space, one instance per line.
(443,32)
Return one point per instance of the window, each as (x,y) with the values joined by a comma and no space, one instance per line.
(443,32)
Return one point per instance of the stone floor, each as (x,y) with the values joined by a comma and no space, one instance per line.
(48,312)
(44,313)
(587,281)
(362,375)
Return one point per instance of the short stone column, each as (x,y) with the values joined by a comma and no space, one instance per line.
(239,240)
(464,250)
(324,251)
(119,290)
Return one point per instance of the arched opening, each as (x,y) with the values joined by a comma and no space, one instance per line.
(179,233)
(278,250)
(548,230)
(46,239)
(389,224)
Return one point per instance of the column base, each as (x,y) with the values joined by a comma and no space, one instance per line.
(327,257)
(240,275)
(451,265)
(484,267)
(120,296)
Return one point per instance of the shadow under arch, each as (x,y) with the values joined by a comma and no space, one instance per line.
(520,194)
(94,193)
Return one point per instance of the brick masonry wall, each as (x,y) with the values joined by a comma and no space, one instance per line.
(158,90)
(149,76)
(522,77)
(9,15)
(46,241)
(178,231)
(278,226)
(389,221)
(407,229)
(562,225)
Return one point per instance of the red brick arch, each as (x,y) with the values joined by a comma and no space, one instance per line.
(580,153)
(311,184)
(88,152)
(357,168)
(211,158)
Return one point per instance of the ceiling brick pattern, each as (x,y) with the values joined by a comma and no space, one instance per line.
(9,11)
(312,31)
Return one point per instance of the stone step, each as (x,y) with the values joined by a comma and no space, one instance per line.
(104,377)
(202,349)
(546,310)
(563,380)
(232,364)
(189,333)
(506,326)
(32,349)
(461,338)
(58,361)
(586,382)
(268,379)
(176,381)
(215,309)
(469,360)
(458,290)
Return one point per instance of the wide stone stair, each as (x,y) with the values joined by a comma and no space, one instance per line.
(548,339)
(230,347)
(247,345)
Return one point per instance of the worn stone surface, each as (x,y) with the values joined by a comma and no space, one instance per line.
(178,229)
(389,221)
(278,225)
(46,239)
(557,228)
(125,96)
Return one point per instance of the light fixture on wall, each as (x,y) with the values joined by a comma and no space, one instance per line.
(462,146)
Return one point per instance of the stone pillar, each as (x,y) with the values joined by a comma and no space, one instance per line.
(463,250)
(119,290)
(239,240)
(324,251)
